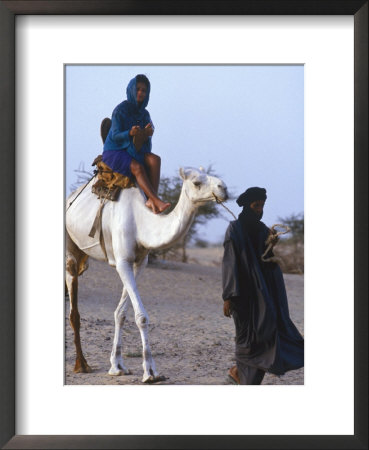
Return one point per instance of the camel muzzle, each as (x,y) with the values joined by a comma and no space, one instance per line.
(223,198)
(220,202)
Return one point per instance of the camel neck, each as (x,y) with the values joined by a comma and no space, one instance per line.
(167,229)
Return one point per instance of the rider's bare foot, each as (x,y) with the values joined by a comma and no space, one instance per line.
(157,206)
(150,204)
(162,206)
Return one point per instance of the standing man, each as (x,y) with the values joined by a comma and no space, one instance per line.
(254,295)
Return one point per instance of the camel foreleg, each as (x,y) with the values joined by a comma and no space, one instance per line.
(126,273)
(116,359)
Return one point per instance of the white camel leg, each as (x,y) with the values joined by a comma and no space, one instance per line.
(116,358)
(125,270)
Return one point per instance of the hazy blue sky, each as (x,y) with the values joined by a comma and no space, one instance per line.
(246,121)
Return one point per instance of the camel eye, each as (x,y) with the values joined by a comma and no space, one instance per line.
(197,183)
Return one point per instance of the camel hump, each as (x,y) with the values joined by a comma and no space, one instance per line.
(104,128)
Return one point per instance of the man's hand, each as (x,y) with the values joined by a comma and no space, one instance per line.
(133,131)
(273,238)
(227,308)
(149,130)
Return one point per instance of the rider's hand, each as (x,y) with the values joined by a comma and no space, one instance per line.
(149,130)
(227,308)
(133,130)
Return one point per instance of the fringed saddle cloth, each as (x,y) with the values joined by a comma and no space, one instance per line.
(109,183)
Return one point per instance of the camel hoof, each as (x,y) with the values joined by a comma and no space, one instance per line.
(154,379)
(115,372)
(149,379)
(82,368)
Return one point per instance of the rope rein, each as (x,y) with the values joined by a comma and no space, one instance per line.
(272,238)
(224,206)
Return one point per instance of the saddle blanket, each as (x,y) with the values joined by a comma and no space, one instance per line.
(109,183)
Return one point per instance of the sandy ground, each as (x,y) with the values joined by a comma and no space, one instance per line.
(191,341)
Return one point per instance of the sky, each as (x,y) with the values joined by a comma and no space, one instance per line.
(246,121)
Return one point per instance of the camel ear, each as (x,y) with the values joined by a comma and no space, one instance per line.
(201,169)
(181,173)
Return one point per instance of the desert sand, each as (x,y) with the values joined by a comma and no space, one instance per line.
(191,341)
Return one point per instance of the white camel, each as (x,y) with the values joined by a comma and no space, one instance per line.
(129,231)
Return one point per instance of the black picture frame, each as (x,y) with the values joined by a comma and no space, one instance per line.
(8,283)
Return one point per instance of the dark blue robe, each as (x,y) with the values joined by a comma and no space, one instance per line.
(266,337)
(118,147)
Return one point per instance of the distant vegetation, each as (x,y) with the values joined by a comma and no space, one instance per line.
(201,243)
(83,176)
(290,249)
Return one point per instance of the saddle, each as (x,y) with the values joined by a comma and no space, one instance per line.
(109,183)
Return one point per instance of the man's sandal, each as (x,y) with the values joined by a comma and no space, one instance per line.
(233,376)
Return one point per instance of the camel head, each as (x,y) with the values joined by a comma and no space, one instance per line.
(201,187)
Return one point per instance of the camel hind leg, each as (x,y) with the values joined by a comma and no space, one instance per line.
(76,264)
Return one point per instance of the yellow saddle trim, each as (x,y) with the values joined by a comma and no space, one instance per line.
(109,178)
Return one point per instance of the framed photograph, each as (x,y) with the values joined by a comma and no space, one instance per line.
(183,281)
(43,45)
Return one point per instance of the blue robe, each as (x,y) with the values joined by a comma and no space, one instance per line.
(118,147)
